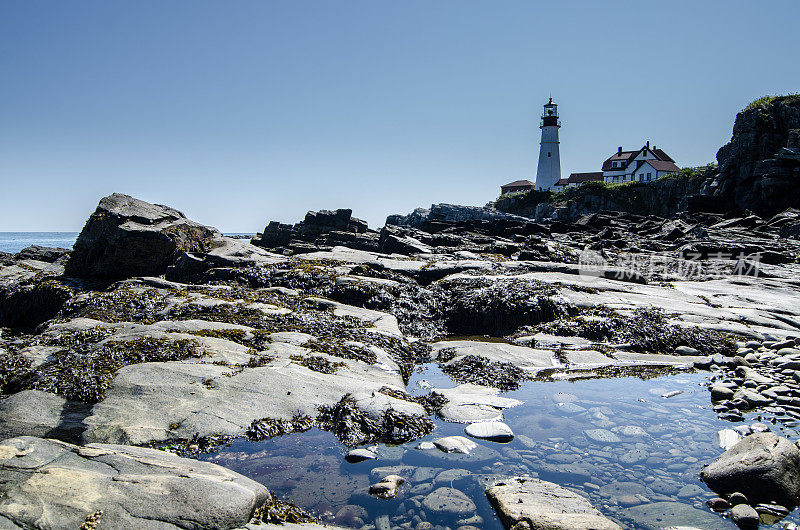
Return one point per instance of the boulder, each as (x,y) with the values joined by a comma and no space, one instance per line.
(673,515)
(763,466)
(387,487)
(745,517)
(51,484)
(455,444)
(359,455)
(127,237)
(544,505)
(494,431)
(30,304)
(39,253)
(448,501)
(452,213)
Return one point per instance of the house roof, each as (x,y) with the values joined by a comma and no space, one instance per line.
(577,178)
(661,155)
(562,182)
(630,155)
(517,183)
(623,155)
(616,157)
(662,165)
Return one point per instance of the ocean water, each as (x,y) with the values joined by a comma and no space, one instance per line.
(13,242)
(646,478)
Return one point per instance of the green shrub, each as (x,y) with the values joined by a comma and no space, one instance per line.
(768,100)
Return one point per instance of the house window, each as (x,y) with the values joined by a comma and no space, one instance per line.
(548,154)
(649,176)
(616,179)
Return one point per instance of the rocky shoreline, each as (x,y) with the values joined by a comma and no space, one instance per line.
(156,331)
(156,341)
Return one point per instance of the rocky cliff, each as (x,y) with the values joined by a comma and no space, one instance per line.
(759,169)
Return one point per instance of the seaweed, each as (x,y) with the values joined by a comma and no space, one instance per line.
(84,373)
(257,339)
(647,330)
(191,447)
(14,368)
(431,402)
(495,307)
(276,511)
(354,427)
(482,371)
(266,428)
(317,363)
(123,304)
(338,348)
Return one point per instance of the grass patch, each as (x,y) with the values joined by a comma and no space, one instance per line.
(765,101)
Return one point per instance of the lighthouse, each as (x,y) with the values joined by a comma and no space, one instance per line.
(549,171)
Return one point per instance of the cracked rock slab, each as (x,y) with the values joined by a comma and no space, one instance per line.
(544,506)
(51,484)
(161,401)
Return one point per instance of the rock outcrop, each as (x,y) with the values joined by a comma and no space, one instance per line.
(763,466)
(759,169)
(44,254)
(127,237)
(450,213)
(544,506)
(320,230)
(51,484)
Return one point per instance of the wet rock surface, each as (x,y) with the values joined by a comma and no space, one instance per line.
(51,484)
(544,505)
(762,466)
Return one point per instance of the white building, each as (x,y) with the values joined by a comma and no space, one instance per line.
(576,179)
(643,165)
(549,170)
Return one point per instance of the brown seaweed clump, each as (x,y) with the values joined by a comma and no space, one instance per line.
(482,371)
(354,427)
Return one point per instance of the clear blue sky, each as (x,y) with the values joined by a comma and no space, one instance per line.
(241,112)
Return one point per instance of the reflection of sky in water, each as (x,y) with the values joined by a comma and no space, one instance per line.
(662,445)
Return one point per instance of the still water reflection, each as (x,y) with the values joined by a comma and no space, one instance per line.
(635,454)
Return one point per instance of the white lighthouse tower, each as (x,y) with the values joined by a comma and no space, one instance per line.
(549,171)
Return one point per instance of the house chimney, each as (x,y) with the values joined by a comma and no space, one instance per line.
(654,147)
(648,144)
(619,150)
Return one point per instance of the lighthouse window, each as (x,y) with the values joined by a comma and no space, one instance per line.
(548,153)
